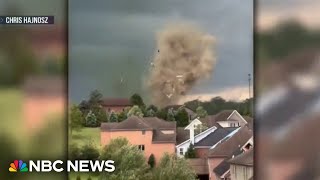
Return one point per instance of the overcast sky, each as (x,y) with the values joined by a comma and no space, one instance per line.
(114,40)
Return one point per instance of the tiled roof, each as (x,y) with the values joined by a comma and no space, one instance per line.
(154,124)
(229,145)
(116,102)
(200,166)
(245,159)
(182,135)
(223,167)
(159,137)
(214,137)
(212,120)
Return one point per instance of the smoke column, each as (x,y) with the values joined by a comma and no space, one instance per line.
(184,56)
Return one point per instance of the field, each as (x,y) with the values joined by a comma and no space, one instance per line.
(86,135)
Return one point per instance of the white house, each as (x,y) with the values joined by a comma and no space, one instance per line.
(233,120)
(183,147)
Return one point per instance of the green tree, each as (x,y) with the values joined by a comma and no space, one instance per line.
(191,152)
(113,117)
(91,120)
(122,116)
(136,99)
(75,118)
(95,98)
(200,128)
(170,115)
(100,113)
(150,113)
(74,152)
(78,177)
(151,161)
(182,118)
(129,161)
(162,114)
(201,112)
(89,152)
(171,168)
(135,111)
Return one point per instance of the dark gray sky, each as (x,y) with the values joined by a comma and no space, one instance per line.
(114,40)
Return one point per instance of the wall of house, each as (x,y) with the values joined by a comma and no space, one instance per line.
(138,138)
(38,110)
(238,117)
(114,108)
(213,163)
(202,152)
(239,172)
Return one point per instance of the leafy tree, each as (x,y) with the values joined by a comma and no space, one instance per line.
(200,128)
(95,98)
(182,118)
(135,111)
(162,114)
(191,152)
(129,161)
(91,120)
(74,152)
(171,168)
(84,107)
(122,116)
(75,118)
(201,112)
(151,161)
(78,177)
(89,178)
(153,107)
(136,99)
(100,113)
(151,113)
(113,117)
(89,152)
(170,115)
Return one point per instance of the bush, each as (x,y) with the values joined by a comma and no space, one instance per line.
(151,161)
(89,152)
(74,152)
(91,120)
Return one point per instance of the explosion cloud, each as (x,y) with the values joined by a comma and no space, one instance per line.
(184,56)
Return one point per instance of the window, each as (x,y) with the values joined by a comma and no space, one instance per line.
(141,147)
(181,151)
(143,132)
(232,125)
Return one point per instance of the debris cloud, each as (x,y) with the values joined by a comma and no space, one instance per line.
(185,55)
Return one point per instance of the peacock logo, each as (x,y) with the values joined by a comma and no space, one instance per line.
(18,166)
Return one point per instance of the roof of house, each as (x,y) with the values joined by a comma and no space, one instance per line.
(229,145)
(154,124)
(200,166)
(116,102)
(214,137)
(182,135)
(223,167)
(245,159)
(44,85)
(212,120)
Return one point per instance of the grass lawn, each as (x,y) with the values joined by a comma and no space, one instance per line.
(86,135)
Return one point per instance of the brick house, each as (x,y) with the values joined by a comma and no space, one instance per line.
(241,166)
(150,134)
(115,104)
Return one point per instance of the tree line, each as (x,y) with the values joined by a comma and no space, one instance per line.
(90,113)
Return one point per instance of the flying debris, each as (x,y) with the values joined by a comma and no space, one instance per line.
(186,57)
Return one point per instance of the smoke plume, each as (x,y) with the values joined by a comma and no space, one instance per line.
(184,56)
